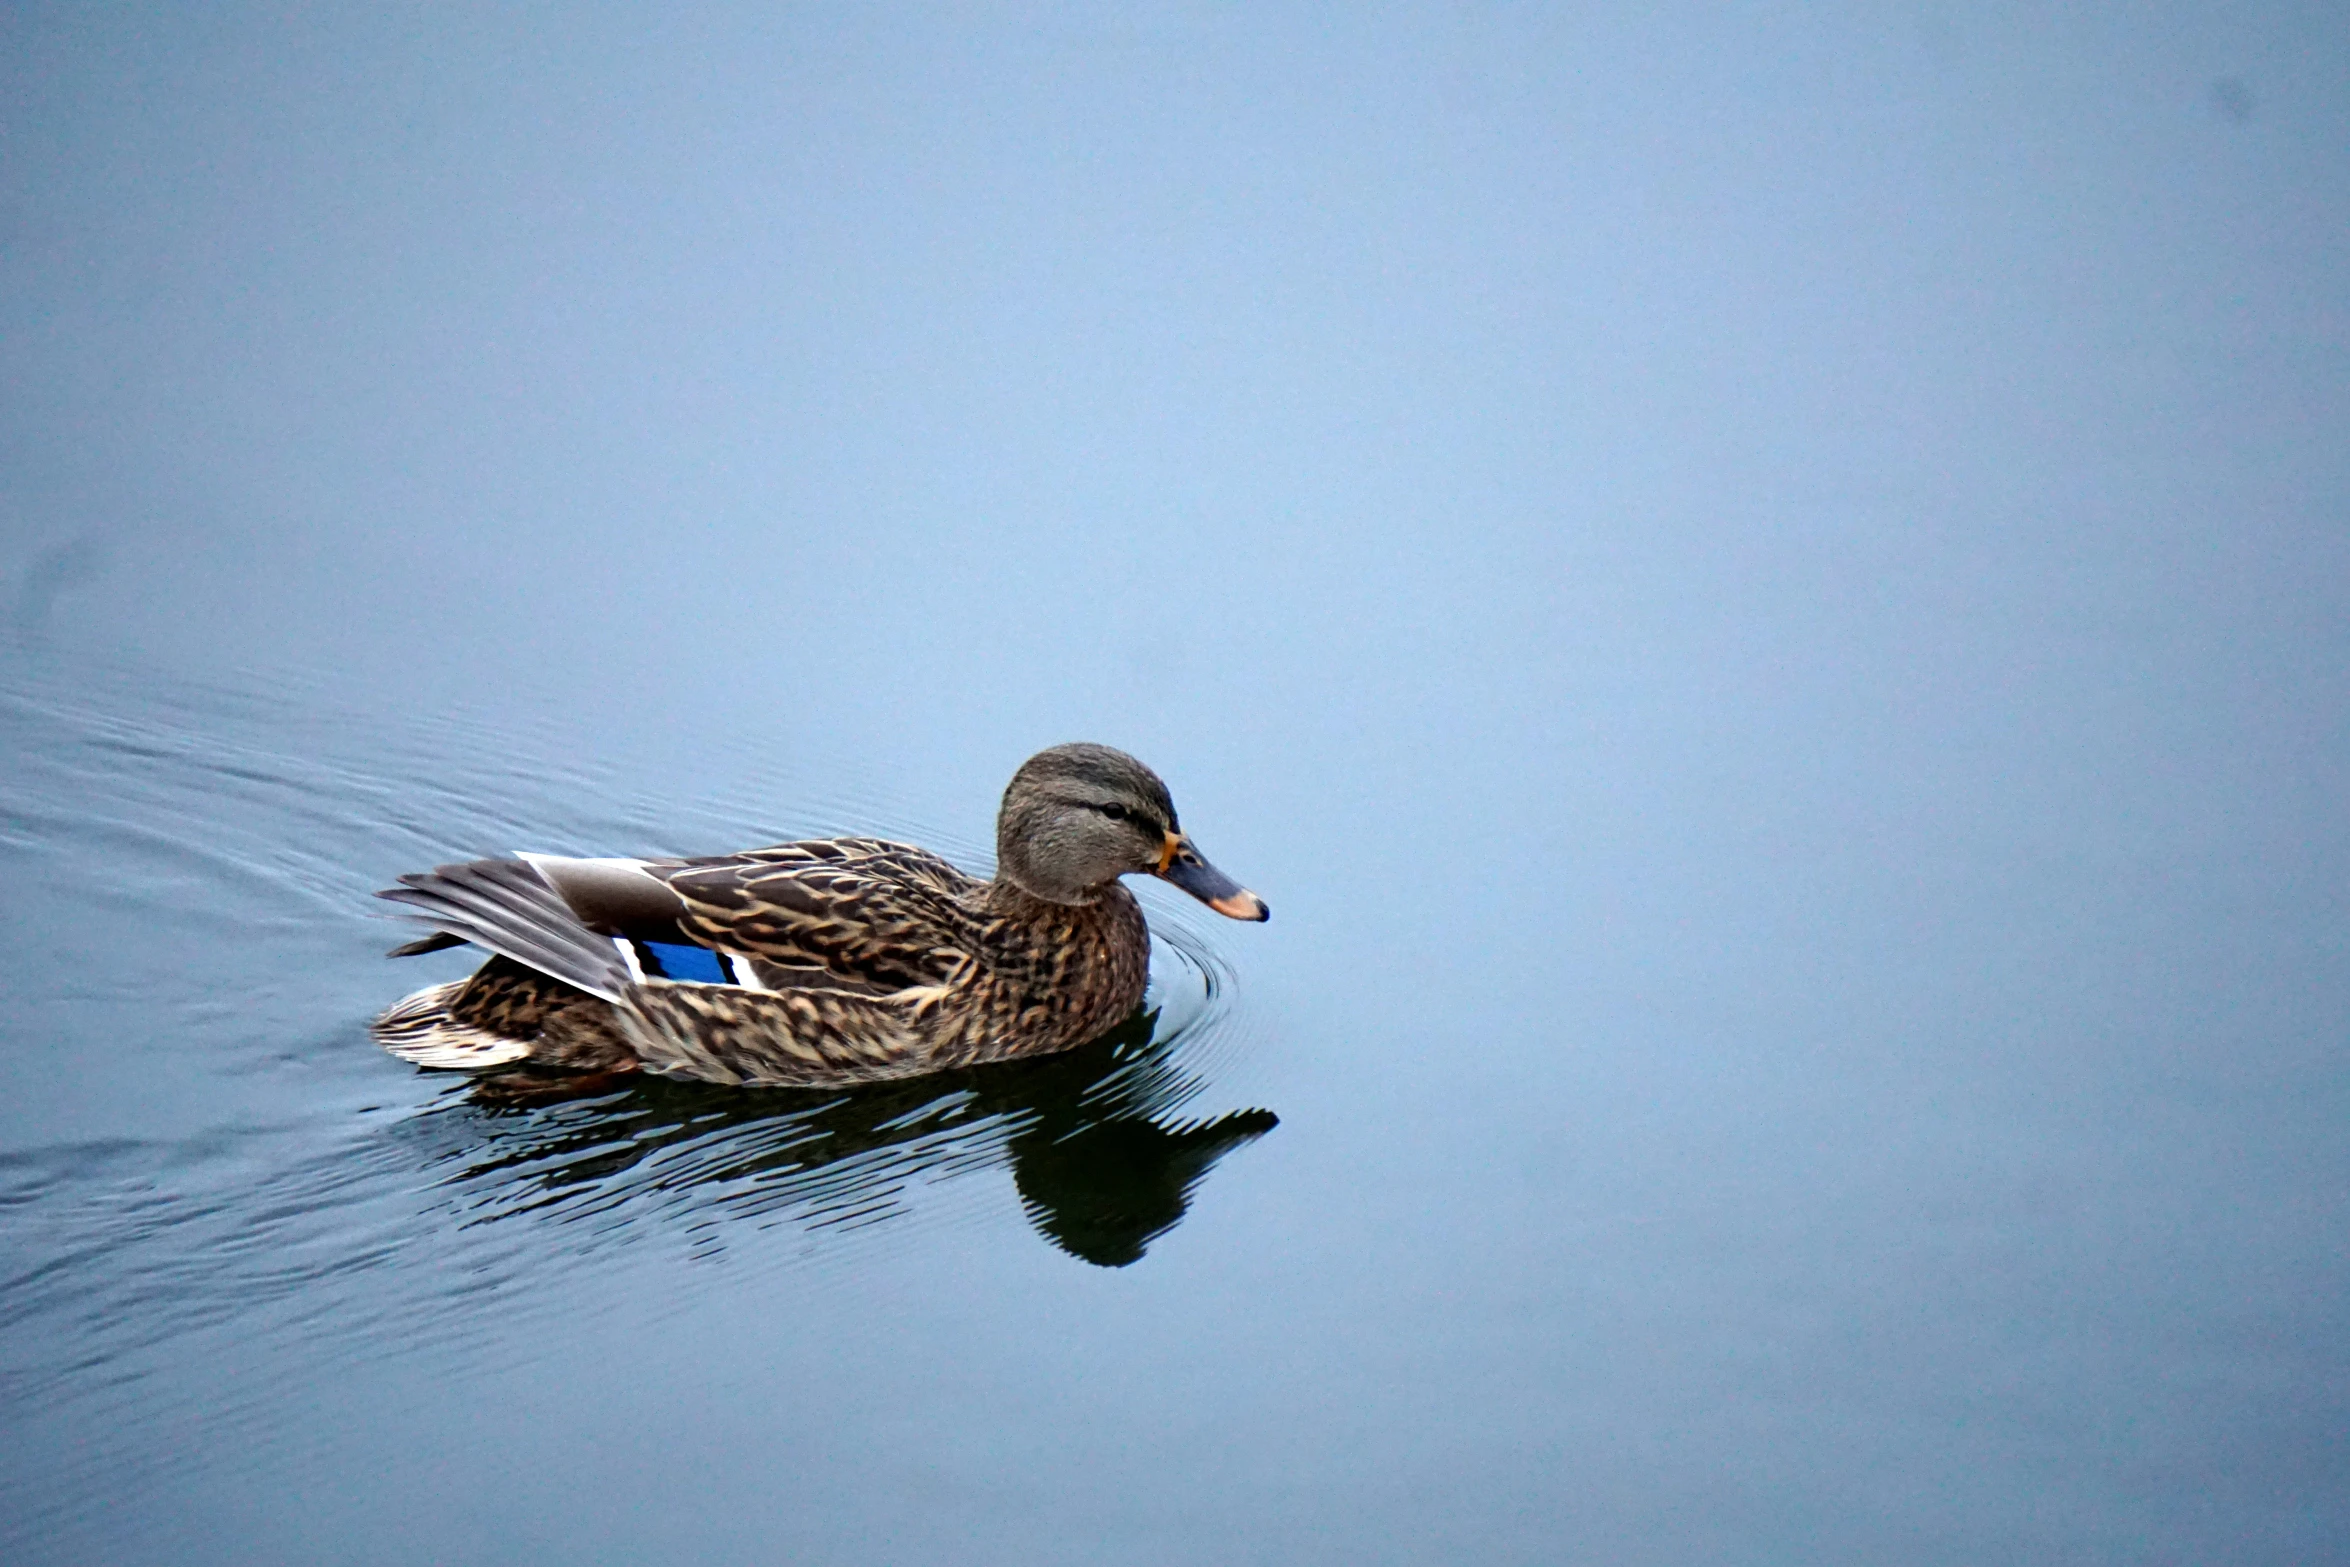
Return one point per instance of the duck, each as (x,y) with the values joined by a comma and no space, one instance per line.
(820,963)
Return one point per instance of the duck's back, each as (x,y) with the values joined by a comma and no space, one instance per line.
(858,914)
(881,918)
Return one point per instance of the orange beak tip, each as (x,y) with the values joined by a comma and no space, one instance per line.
(1242,906)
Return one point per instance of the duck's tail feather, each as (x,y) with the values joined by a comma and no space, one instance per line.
(438,941)
(420,1029)
(511,909)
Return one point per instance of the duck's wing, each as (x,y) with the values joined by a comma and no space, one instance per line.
(856,914)
(513,908)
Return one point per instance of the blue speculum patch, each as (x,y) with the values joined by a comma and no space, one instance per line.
(670,961)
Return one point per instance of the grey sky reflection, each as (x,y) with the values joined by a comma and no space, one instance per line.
(1764,592)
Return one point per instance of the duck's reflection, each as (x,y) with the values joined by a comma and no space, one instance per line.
(1101,1161)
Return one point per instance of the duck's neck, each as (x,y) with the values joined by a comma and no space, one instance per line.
(1006,896)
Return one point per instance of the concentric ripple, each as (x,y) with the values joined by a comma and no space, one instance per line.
(190,915)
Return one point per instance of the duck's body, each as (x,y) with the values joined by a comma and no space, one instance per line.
(828,962)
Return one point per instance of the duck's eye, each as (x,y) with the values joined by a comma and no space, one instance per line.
(1115,812)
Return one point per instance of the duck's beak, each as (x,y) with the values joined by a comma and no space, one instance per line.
(1181,864)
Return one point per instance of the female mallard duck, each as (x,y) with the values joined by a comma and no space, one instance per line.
(836,961)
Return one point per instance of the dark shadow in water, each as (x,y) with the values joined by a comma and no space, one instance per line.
(1102,1165)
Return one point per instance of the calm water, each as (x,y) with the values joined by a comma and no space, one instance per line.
(1767,598)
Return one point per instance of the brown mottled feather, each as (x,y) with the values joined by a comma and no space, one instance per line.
(564,1027)
(866,915)
(871,959)
(882,960)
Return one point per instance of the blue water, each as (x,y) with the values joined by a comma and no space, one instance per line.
(1766,596)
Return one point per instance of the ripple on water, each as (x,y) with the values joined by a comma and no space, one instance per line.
(326,1195)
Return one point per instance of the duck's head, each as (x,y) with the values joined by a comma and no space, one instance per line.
(1078,817)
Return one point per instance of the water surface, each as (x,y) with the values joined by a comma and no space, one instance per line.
(1764,595)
